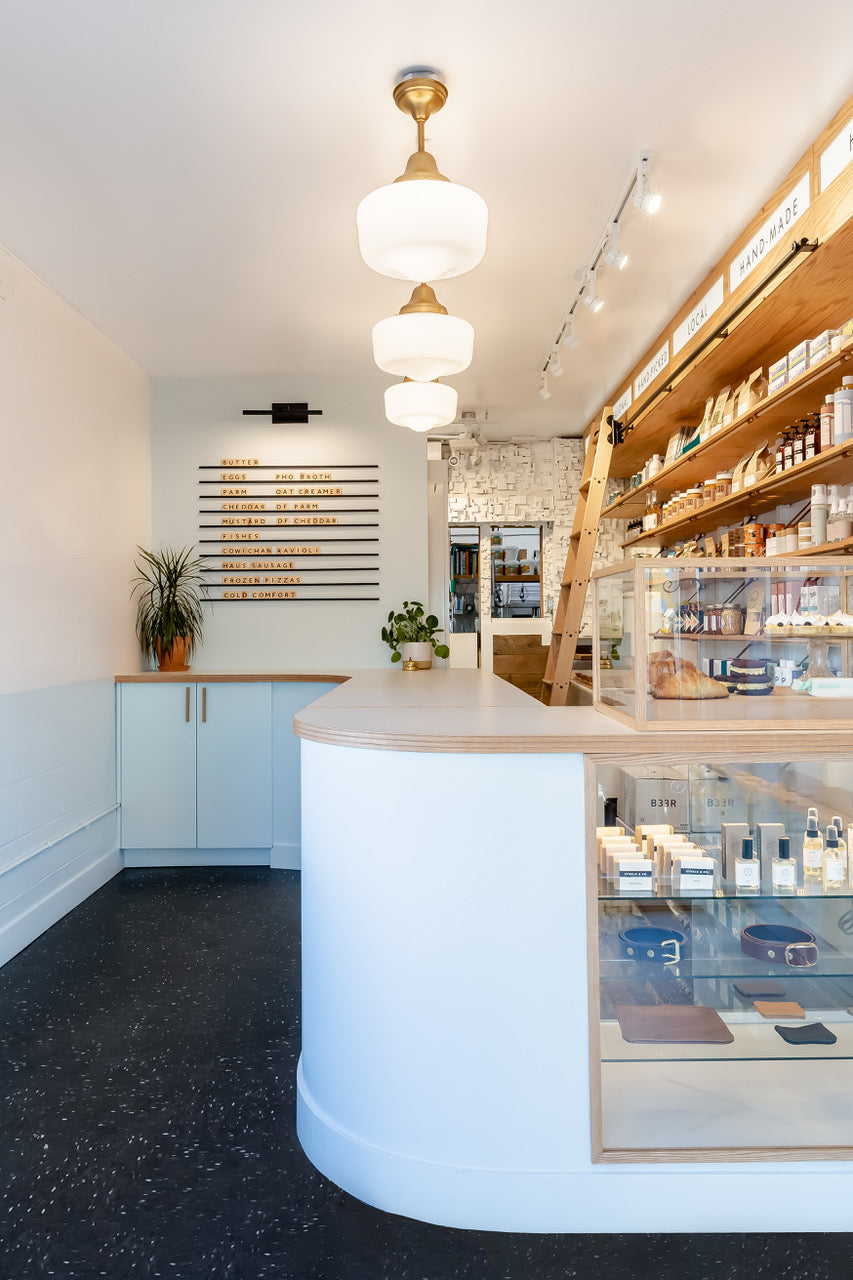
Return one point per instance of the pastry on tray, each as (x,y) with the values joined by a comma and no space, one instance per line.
(671,677)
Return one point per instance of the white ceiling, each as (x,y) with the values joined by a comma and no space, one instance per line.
(186,172)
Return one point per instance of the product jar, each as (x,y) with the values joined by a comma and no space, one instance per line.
(753,540)
(731,620)
(724,484)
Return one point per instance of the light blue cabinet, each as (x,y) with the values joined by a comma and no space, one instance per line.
(196,766)
(234,766)
(158,766)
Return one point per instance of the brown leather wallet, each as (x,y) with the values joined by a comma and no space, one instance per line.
(671,1024)
(780,944)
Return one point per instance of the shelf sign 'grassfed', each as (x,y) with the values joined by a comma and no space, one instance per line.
(329,516)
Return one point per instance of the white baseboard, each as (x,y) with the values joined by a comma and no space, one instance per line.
(286,857)
(40,889)
(196,857)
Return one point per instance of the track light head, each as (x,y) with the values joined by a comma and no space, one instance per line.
(544,393)
(589,297)
(555,367)
(644,198)
(568,337)
(611,253)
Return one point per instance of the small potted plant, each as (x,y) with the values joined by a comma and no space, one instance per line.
(169,621)
(410,634)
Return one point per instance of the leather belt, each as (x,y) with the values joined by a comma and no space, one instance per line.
(663,946)
(780,944)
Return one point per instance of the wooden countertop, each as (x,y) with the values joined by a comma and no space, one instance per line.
(474,712)
(234,677)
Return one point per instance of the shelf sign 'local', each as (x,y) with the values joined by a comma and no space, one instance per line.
(698,317)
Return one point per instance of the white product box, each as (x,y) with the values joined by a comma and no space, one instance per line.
(715,800)
(635,874)
(819,347)
(778,373)
(798,360)
(654,794)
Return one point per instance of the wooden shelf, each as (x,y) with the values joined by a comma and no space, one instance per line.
(723,450)
(517,577)
(763,636)
(814,295)
(788,486)
(823,549)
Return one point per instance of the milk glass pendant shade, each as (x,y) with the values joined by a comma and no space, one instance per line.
(423,342)
(421,406)
(422,226)
(422,229)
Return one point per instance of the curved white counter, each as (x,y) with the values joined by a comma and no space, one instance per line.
(445,1068)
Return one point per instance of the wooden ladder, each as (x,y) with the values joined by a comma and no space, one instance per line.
(573,589)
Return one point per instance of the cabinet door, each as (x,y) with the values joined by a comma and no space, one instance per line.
(234,737)
(158,766)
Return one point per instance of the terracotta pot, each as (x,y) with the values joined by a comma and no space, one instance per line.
(175,659)
(419,652)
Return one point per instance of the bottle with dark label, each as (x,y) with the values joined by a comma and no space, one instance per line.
(812,436)
(788,449)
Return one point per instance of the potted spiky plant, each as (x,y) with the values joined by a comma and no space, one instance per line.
(169,620)
(410,635)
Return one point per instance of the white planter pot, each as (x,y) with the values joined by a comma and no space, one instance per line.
(419,653)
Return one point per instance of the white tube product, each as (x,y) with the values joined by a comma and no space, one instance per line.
(843,410)
(819,513)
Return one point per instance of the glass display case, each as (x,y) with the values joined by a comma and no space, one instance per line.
(722,642)
(722,1009)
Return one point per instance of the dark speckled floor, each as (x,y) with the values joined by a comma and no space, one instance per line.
(147,1058)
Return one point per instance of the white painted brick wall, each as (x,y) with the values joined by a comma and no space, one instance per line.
(537,482)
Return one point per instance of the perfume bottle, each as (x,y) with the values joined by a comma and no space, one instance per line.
(783,869)
(834,864)
(842,843)
(812,849)
(747,872)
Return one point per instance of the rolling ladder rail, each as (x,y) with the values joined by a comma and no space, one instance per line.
(575,582)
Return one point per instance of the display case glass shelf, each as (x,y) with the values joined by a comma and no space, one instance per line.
(722,1020)
(721,643)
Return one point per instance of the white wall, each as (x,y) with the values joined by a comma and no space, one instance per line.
(538,482)
(198,421)
(74,428)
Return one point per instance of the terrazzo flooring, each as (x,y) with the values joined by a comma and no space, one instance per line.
(148,1048)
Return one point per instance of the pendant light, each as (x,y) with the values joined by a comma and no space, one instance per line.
(422,226)
(423,342)
(421,406)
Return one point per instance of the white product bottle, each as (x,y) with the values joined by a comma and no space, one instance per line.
(783,869)
(842,843)
(834,864)
(842,429)
(747,871)
(827,417)
(812,849)
(819,514)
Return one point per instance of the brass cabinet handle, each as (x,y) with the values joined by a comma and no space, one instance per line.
(204,705)
(188,704)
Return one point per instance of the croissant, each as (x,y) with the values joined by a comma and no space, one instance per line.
(672,677)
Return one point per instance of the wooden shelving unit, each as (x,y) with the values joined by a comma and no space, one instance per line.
(787,487)
(760,426)
(814,295)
